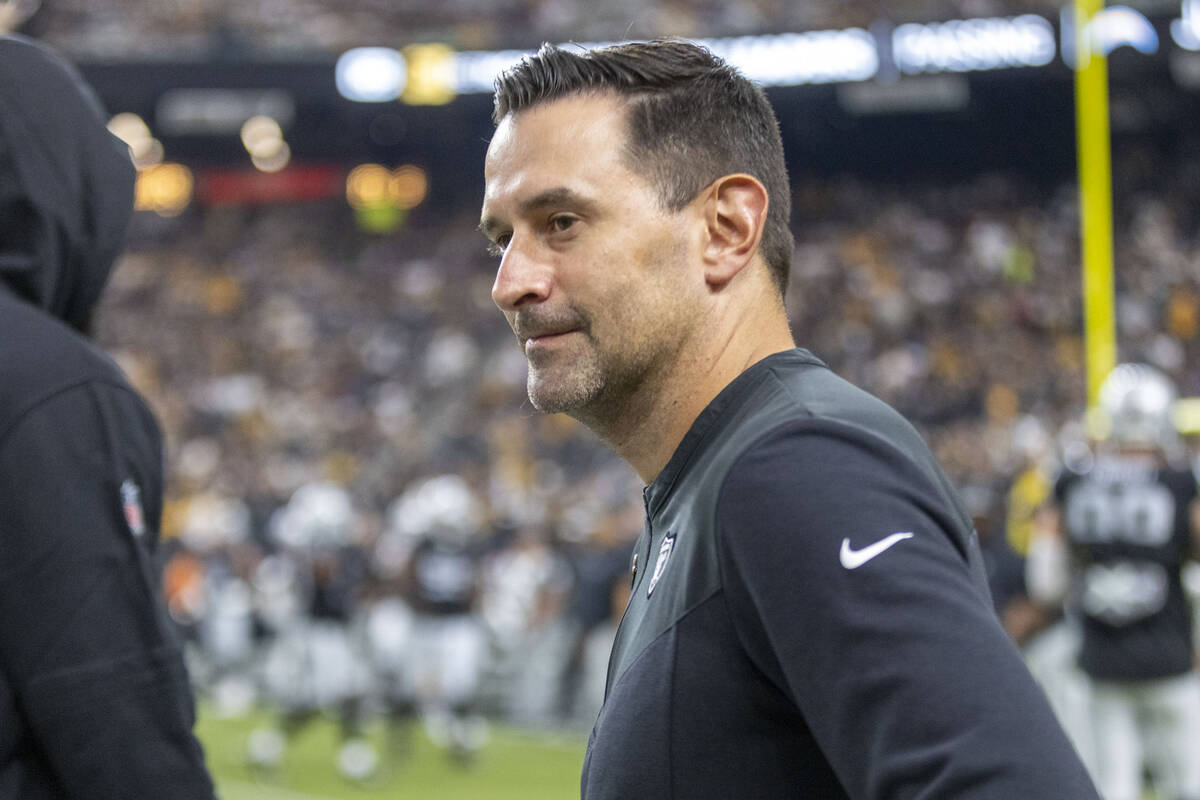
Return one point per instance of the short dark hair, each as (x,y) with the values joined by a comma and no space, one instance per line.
(692,119)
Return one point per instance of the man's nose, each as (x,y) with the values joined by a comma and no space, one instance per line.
(522,278)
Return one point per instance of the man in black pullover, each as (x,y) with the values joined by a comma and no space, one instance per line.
(809,614)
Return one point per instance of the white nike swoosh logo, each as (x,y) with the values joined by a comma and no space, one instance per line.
(853,559)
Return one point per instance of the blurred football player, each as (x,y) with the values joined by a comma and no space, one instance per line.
(1127,520)
(94,698)
(440,583)
(215,530)
(525,589)
(1048,627)
(313,666)
(387,626)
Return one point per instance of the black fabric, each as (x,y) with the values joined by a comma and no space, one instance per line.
(94,699)
(1129,528)
(751,663)
(66,184)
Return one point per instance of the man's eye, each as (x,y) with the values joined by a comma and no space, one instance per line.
(498,247)
(562,222)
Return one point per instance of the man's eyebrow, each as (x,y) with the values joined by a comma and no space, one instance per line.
(559,196)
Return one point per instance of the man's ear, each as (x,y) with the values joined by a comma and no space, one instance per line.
(735,212)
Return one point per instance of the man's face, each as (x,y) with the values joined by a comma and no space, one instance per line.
(595,277)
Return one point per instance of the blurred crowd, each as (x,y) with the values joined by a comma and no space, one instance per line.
(311,379)
(123,28)
(961,304)
(291,356)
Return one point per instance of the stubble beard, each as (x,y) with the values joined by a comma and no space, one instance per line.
(606,389)
(569,378)
(568,383)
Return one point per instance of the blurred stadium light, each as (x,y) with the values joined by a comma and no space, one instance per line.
(795,59)
(263,139)
(1120,26)
(144,149)
(372,185)
(381,198)
(1186,30)
(367,186)
(371,74)
(407,186)
(1107,30)
(974,44)
(261,135)
(165,189)
(274,160)
(431,77)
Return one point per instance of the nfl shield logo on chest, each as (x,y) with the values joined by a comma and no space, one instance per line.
(660,566)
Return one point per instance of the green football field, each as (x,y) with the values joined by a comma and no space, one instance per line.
(513,765)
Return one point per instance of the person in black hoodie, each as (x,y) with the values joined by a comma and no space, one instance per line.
(94,697)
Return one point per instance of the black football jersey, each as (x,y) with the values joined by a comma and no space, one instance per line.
(444,578)
(1127,522)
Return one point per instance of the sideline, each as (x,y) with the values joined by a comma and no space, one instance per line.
(245,790)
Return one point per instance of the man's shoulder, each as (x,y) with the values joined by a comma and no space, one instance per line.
(805,393)
(783,410)
(41,356)
(803,413)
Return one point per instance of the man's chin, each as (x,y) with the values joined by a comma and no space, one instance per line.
(549,403)
(558,398)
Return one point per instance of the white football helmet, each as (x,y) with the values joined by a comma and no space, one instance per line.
(1137,401)
(319,515)
(442,506)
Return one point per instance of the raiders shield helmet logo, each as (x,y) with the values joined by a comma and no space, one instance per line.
(660,566)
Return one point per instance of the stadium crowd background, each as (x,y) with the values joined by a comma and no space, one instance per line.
(283,347)
(175,28)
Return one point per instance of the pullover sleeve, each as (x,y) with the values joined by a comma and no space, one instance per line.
(86,645)
(849,579)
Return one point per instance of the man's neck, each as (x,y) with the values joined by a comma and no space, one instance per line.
(647,428)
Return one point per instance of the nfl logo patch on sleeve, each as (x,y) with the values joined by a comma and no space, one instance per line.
(131,502)
(660,566)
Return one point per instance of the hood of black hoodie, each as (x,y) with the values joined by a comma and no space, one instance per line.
(66,184)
